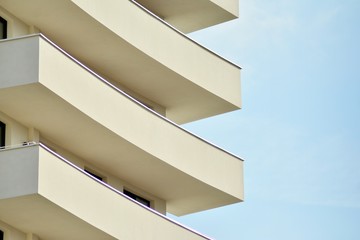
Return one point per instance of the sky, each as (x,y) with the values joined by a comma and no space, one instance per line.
(299,126)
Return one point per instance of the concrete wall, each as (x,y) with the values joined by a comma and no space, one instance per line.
(19,170)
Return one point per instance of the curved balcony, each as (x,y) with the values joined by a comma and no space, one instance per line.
(45,194)
(45,88)
(190,15)
(132,47)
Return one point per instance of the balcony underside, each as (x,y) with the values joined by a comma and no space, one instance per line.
(190,15)
(47,196)
(34,213)
(43,88)
(129,46)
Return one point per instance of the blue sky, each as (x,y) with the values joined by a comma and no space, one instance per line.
(299,129)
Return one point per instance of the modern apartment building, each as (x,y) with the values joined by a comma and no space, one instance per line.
(92,95)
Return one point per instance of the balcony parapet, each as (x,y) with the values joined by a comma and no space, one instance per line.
(178,31)
(56,194)
(189,15)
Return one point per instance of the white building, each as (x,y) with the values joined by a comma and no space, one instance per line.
(91,95)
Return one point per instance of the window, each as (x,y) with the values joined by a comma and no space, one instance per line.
(2,135)
(94,175)
(3,28)
(137,198)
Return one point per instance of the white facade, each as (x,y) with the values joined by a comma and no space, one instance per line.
(91,95)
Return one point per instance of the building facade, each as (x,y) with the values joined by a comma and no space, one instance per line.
(92,95)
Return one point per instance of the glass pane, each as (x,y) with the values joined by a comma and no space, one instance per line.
(2,28)
(2,135)
(137,198)
(143,201)
(2,36)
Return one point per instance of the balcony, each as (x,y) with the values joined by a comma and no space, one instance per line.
(190,15)
(132,47)
(44,194)
(43,87)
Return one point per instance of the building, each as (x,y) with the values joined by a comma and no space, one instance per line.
(91,97)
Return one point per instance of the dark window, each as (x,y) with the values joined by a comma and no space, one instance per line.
(94,175)
(137,198)
(2,134)
(1,235)
(3,28)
